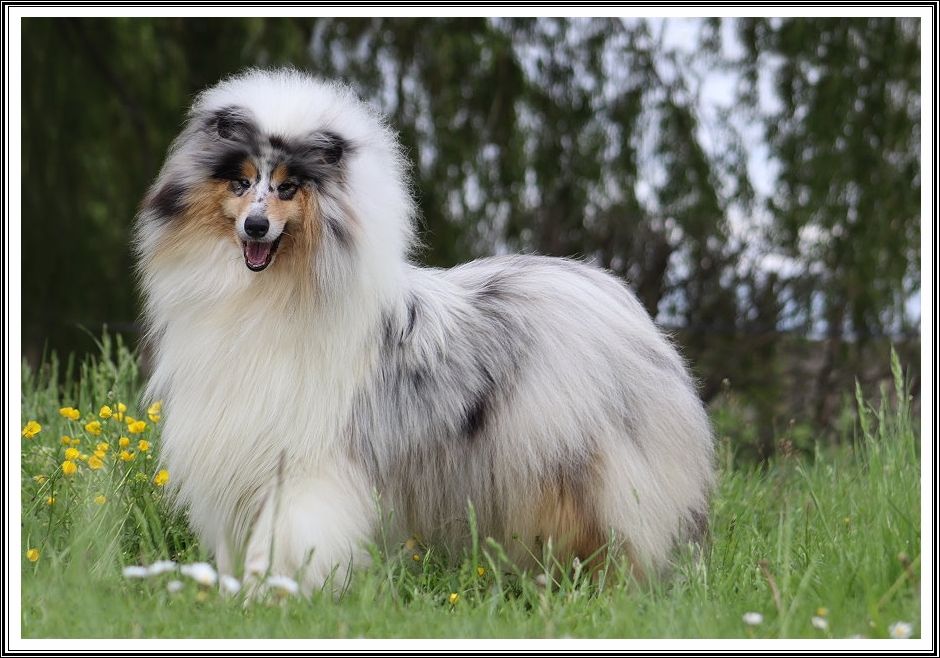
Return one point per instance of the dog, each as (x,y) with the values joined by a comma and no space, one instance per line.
(321,389)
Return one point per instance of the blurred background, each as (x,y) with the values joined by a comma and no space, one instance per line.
(757,181)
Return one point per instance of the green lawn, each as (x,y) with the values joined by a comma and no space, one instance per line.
(836,536)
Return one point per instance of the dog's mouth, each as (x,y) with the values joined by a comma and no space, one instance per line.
(258,255)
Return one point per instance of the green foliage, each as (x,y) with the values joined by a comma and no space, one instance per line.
(60,510)
(847,139)
(840,532)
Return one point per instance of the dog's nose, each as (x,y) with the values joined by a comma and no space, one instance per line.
(256,226)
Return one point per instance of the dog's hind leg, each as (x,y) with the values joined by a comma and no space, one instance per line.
(312,528)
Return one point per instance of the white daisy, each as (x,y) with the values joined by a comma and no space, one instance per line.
(900,630)
(283,585)
(752,618)
(135,571)
(229,584)
(201,572)
(162,566)
(819,623)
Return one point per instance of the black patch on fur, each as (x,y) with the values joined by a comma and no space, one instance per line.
(388,330)
(169,201)
(474,421)
(339,231)
(418,378)
(412,317)
(394,334)
(278,142)
(318,159)
(233,138)
(233,124)
(332,147)
(492,289)
(229,164)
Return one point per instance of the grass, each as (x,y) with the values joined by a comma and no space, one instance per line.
(839,531)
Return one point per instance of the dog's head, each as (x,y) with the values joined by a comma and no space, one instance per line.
(279,171)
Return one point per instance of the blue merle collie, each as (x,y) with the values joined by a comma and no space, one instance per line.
(320,388)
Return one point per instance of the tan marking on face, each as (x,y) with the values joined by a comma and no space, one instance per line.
(279,175)
(249,170)
(300,218)
(202,220)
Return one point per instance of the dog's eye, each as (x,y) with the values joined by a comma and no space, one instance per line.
(286,190)
(240,186)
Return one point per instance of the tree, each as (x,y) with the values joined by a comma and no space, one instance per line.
(846,136)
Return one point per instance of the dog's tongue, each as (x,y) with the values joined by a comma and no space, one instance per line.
(257,253)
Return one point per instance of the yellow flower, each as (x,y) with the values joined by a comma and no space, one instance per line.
(70,412)
(416,557)
(100,499)
(154,410)
(161,478)
(69,467)
(65,440)
(105,412)
(31,429)
(481,572)
(143,446)
(127,456)
(453,598)
(32,554)
(94,462)
(137,427)
(83,457)
(100,454)
(75,442)
(822,612)
(39,479)
(94,427)
(123,442)
(104,446)
(130,419)
(121,408)
(71,454)
(50,500)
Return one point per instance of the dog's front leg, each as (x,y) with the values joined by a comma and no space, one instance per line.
(312,529)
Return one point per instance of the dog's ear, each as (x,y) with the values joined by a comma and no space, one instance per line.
(326,148)
(232,124)
(319,157)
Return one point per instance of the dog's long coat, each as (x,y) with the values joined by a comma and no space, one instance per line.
(536,389)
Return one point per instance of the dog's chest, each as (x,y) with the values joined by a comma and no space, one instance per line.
(244,393)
